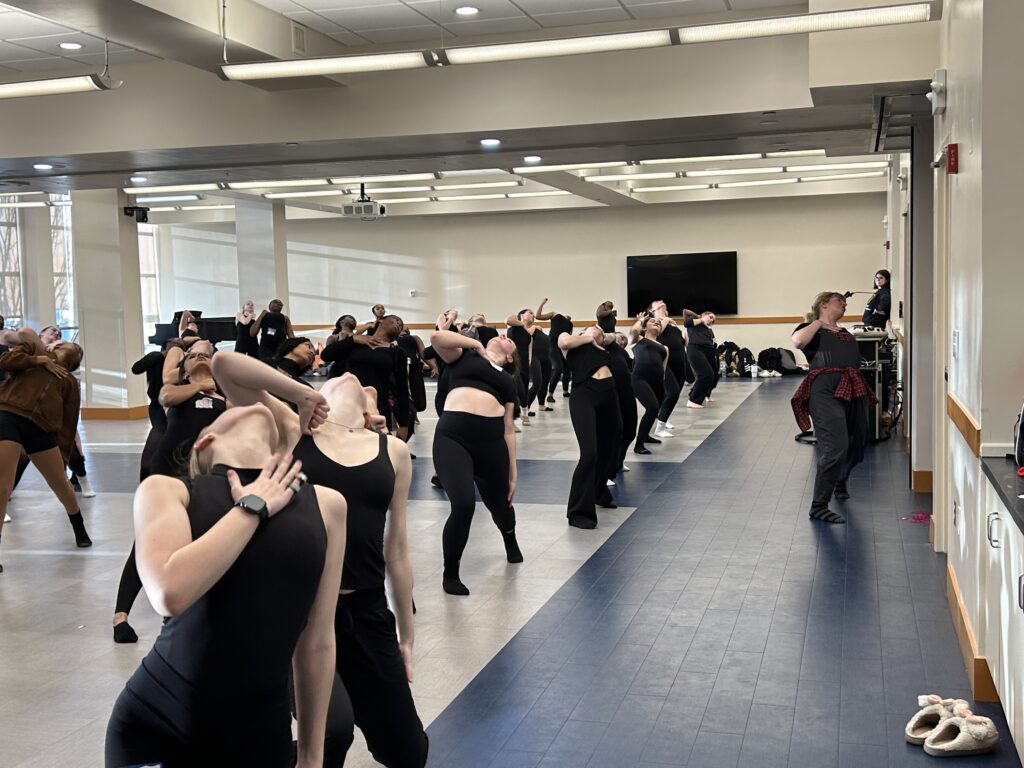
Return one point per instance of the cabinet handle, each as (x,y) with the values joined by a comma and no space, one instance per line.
(992,517)
(1020,591)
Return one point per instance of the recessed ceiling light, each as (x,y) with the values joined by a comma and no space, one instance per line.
(532,159)
(490,143)
(70,46)
(137,179)
(42,166)
(467,10)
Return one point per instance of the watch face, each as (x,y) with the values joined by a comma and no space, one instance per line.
(254,505)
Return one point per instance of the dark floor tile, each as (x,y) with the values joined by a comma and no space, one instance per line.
(715,750)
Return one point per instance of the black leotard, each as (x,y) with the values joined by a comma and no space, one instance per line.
(541,344)
(273,330)
(584,361)
(367,489)
(184,423)
(214,688)
(648,360)
(522,339)
(245,342)
(472,370)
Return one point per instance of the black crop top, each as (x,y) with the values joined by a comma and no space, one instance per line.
(476,372)
(367,489)
(233,647)
(584,361)
(831,349)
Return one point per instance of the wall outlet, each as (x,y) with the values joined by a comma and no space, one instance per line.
(956,345)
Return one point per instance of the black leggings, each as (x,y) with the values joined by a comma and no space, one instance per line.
(650,391)
(538,381)
(597,422)
(704,362)
(371,689)
(471,449)
(627,408)
(559,372)
(672,390)
(841,430)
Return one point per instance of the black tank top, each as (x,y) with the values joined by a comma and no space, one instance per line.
(541,344)
(367,489)
(672,338)
(273,330)
(245,342)
(476,372)
(184,423)
(522,339)
(228,657)
(584,361)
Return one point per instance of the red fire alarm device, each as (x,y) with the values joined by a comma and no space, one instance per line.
(953,158)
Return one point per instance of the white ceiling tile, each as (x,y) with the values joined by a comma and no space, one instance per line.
(50,44)
(327,5)
(12,52)
(314,21)
(15,24)
(754,5)
(572,18)
(430,35)
(116,57)
(43,64)
(348,38)
(492,26)
(564,6)
(444,12)
(672,8)
(378,16)
(280,5)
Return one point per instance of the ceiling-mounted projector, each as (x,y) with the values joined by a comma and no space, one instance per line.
(363,207)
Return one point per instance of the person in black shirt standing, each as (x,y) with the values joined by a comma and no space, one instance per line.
(678,369)
(245,342)
(702,356)
(559,324)
(879,308)
(521,327)
(594,412)
(621,365)
(650,364)
(273,327)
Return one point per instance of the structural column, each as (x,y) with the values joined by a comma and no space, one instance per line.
(261,236)
(39,306)
(106,247)
(922,332)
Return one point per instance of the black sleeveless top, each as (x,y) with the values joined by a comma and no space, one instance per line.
(522,339)
(672,338)
(541,344)
(367,489)
(476,372)
(648,360)
(619,363)
(184,423)
(559,324)
(273,330)
(831,349)
(607,323)
(225,661)
(245,342)
(584,361)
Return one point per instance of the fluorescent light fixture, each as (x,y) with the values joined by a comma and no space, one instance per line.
(277,184)
(25,204)
(478,185)
(42,166)
(760,183)
(838,166)
(672,188)
(390,190)
(806,22)
(403,200)
(328,65)
(532,159)
(634,176)
(549,193)
(221,207)
(467,10)
(317,193)
(708,159)
(19,194)
(163,209)
(477,172)
(455,198)
(70,46)
(538,49)
(842,176)
(490,143)
(137,179)
(60,203)
(171,188)
(569,167)
(57,85)
(381,179)
(797,153)
(167,198)
(735,172)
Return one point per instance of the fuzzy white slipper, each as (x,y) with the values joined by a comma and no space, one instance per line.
(963,734)
(935,711)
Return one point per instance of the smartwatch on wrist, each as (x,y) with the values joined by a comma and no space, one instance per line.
(254,505)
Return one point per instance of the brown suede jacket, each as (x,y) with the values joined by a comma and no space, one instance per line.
(31,391)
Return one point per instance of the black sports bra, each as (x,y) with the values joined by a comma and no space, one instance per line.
(476,372)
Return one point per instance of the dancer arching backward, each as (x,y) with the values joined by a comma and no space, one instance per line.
(594,411)
(835,395)
(244,560)
(521,328)
(245,342)
(701,354)
(559,373)
(678,369)
(650,369)
(541,366)
(152,365)
(606,316)
(621,365)
(475,441)
(39,405)
(372,471)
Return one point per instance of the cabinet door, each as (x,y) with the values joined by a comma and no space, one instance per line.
(1011,678)
(993,532)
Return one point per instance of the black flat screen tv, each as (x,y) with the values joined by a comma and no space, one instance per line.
(703,282)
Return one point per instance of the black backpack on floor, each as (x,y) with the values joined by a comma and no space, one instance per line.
(787,363)
(769,359)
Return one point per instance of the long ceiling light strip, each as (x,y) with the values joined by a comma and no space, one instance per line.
(838,166)
(277,184)
(707,159)
(550,193)
(537,49)
(759,183)
(672,188)
(58,85)
(735,172)
(844,176)
(317,193)
(171,188)
(381,179)
(478,185)
(528,169)
(634,176)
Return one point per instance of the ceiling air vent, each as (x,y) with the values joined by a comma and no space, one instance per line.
(298,39)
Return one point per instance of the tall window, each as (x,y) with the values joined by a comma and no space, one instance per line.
(148,278)
(11,306)
(63,267)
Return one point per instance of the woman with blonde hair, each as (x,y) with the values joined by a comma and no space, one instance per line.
(835,396)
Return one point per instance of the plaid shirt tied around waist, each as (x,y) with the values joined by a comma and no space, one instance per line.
(851,385)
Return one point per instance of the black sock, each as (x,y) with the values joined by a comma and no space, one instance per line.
(123,633)
(78,524)
(654,440)
(512,552)
(450,581)
(841,492)
(826,515)
(642,451)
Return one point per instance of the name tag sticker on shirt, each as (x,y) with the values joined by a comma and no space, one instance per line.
(205,402)
(271,331)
